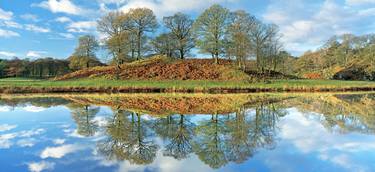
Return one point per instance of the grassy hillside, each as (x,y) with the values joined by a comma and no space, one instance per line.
(343,57)
(163,68)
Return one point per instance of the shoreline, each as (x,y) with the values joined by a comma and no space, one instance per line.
(18,86)
(218,90)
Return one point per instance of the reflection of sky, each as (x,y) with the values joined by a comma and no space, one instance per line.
(27,108)
(306,145)
(42,139)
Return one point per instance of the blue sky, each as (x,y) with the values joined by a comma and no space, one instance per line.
(40,28)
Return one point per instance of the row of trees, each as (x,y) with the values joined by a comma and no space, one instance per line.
(47,67)
(235,35)
(217,31)
(83,57)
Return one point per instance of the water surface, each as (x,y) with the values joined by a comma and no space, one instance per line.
(177,132)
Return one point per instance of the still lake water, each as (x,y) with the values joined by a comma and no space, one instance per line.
(177,132)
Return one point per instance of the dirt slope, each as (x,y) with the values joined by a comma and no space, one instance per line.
(162,68)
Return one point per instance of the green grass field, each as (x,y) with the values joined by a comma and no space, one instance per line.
(95,83)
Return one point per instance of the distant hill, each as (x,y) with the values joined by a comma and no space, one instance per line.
(344,57)
(163,68)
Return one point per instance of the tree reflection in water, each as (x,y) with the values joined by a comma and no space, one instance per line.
(128,139)
(178,130)
(209,143)
(220,138)
(216,141)
(84,116)
(236,137)
(341,113)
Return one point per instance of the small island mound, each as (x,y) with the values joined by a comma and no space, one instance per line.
(163,68)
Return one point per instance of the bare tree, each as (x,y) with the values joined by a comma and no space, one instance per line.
(87,45)
(260,35)
(180,26)
(141,20)
(239,44)
(116,26)
(84,55)
(210,30)
(112,24)
(165,44)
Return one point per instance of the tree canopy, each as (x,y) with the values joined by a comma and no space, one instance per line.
(84,55)
(210,30)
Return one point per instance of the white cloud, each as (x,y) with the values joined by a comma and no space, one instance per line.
(7,127)
(30,133)
(5,15)
(360,2)
(73,133)
(308,28)
(30,17)
(102,121)
(62,36)
(63,19)
(119,2)
(59,141)
(346,162)
(82,27)
(64,126)
(68,131)
(367,12)
(60,6)
(168,7)
(34,28)
(67,35)
(10,24)
(5,108)
(5,140)
(7,54)
(28,142)
(163,163)
(6,20)
(103,5)
(60,151)
(323,142)
(8,33)
(41,166)
(31,108)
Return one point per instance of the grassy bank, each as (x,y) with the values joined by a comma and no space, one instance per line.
(22,85)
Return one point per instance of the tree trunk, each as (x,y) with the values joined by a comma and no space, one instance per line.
(182,53)
(275,65)
(139,35)
(216,57)
(118,72)
(257,59)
